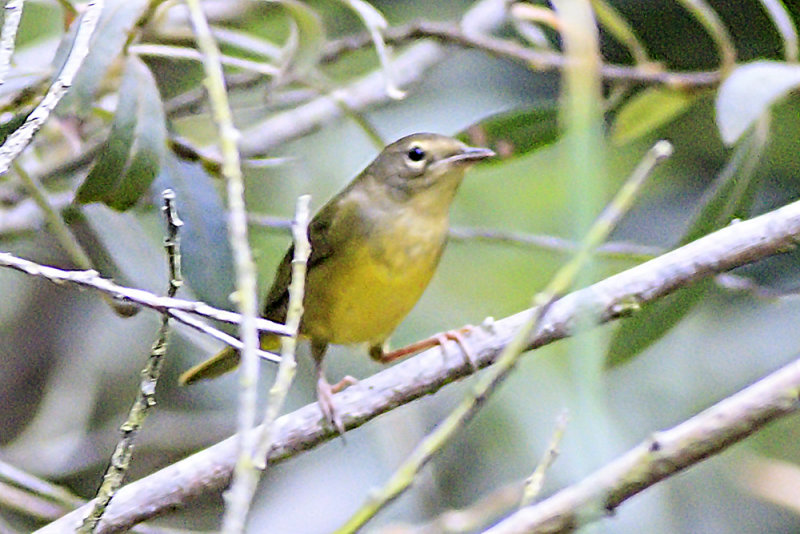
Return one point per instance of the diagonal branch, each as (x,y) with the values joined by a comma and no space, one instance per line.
(662,455)
(209,470)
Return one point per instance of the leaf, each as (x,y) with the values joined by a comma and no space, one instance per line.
(304,47)
(132,154)
(515,133)
(731,197)
(648,110)
(206,257)
(112,31)
(748,93)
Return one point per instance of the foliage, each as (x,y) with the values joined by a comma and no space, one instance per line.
(315,86)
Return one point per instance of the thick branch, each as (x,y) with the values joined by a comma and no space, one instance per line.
(210,470)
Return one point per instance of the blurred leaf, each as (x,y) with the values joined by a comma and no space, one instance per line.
(304,46)
(514,133)
(132,154)
(13,122)
(207,261)
(112,31)
(375,23)
(748,93)
(731,196)
(647,110)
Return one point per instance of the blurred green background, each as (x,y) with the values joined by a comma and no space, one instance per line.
(69,365)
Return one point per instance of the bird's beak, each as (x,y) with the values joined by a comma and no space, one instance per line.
(470,155)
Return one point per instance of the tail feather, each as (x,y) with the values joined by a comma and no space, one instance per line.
(223,362)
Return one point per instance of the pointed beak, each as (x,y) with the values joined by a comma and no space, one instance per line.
(471,155)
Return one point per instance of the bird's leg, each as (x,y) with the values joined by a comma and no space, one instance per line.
(376,352)
(324,390)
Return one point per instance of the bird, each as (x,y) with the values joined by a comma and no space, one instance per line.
(374,248)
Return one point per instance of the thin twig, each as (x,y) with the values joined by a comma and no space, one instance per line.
(294,313)
(237,501)
(782,20)
(409,67)
(45,500)
(716,29)
(450,33)
(534,483)
(662,455)
(17,141)
(618,296)
(615,250)
(182,52)
(608,17)
(55,222)
(145,398)
(433,442)
(91,279)
(219,335)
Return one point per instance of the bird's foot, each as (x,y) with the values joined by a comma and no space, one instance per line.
(440,339)
(325,400)
(343,384)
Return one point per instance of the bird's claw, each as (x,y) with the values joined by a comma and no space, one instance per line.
(325,400)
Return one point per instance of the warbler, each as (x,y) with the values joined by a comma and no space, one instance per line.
(374,248)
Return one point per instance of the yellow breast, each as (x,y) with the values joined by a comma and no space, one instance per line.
(365,290)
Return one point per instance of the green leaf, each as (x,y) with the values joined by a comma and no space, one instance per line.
(132,154)
(748,93)
(112,31)
(304,47)
(206,257)
(648,110)
(515,133)
(731,196)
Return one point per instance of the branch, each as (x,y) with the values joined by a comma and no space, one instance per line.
(169,305)
(22,136)
(408,67)
(621,294)
(540,60)
(662,455)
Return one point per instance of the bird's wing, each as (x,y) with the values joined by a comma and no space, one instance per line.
(322,246)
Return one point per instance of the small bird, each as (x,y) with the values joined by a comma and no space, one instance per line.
(374,248)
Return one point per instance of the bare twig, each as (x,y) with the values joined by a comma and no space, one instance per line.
(294,313)
(534,483)
(91,279)
(146,396)
(620,295)
(237,500)
(620,249)
(450,33)
(662,455)
(716,29)
(408,67)
(17,141)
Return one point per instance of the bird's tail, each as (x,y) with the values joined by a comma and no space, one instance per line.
(223,362)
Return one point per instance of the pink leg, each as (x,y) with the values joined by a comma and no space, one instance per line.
(440,339)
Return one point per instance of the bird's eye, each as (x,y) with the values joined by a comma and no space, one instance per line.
(416,154)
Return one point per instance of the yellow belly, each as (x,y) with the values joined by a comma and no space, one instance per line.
(360,295)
